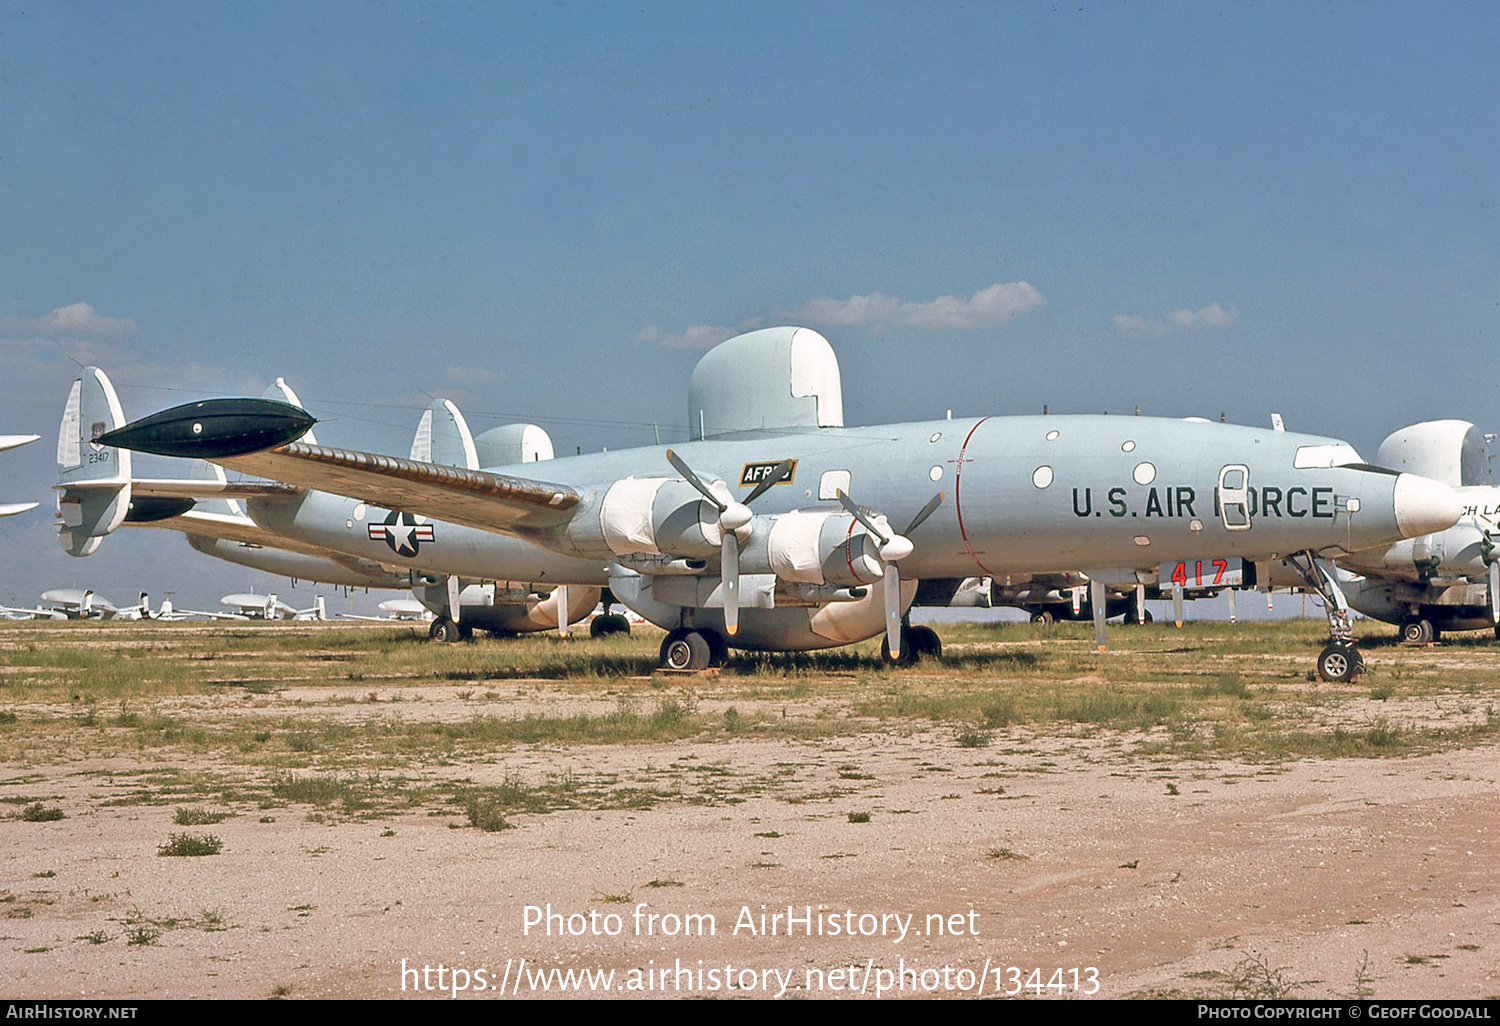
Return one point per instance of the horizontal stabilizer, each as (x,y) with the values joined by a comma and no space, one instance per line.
(93,478)
(16,441)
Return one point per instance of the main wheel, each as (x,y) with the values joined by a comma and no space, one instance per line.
(718,648)
(1417,631)
(686,650)
(925,643)
(603,626)
(1043,617)
(444,631)
(1339,663)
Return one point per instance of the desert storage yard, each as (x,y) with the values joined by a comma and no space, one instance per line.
(315,810)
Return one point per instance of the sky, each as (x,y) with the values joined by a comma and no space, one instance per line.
(549,211)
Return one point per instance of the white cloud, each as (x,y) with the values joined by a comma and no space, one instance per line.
(79,319)
(987,308)
(1211,316)
(472,375)
(696,336)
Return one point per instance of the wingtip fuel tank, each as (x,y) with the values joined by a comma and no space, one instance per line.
(213,429)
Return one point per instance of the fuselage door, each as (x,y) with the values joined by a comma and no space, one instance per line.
(1234,497)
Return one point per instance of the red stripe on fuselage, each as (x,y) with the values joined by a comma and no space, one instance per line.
(958,506)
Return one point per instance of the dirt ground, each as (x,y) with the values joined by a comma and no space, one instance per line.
(1040,865)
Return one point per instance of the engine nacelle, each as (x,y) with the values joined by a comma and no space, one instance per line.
(816,547)
(1456,552)
(654,516)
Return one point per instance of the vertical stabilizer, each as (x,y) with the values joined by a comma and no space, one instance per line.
(281,392)
(93,479)
(443,437)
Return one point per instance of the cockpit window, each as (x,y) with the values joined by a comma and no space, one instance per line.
(1336,454)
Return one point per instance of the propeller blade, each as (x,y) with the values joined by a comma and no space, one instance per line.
(782,471)
(453,598)
(691,478)
(730,558)
(893,610)
(562,610)
(1098,599)
(1495,592)
(855,512)
(926,511)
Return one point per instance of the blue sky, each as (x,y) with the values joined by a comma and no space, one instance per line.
(546,211)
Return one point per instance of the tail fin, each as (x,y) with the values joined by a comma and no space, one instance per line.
(94,480)
(443,436)
(281,392)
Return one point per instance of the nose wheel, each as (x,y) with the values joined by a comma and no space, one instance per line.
(1339,663)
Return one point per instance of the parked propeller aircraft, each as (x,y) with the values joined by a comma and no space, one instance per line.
(373,548)
(1450,580)
(394,609)
(10,509)
(251,606)
(80,604)
(749,534)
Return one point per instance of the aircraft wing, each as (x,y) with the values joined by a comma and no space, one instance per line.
(204,488)
(474,498)
(256,436)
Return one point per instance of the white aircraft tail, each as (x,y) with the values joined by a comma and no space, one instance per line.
(443,437)
(93,480)
(281,392)
(271,606)
(165,612)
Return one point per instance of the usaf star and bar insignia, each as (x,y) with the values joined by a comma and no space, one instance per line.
(402,533)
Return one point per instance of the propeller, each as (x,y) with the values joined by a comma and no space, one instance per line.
(893,547)
(734,516)
(1487,551)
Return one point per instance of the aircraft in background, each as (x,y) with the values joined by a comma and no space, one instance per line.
(775,527)
(394,610)
(10,509)
(250,606)
(80,604)
(1449,580)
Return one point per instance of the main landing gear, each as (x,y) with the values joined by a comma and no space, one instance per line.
(1340,661)
(445,631)
(687,649)
(917,643)
(1418,630)
(608,623)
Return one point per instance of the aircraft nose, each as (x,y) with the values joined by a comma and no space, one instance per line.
(1424,506)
